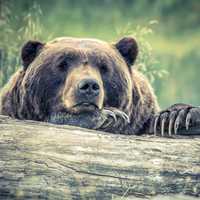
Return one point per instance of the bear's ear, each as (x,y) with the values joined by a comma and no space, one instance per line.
(128,48)
(29,52)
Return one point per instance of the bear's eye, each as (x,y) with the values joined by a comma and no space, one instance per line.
(103,68)
(63,65)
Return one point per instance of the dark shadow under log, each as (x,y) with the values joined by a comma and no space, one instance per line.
(43,161)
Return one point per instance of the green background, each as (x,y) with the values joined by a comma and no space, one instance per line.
(168,33)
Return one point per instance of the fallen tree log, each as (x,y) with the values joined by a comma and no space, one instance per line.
(44,161)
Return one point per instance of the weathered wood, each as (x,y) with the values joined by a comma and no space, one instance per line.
(43,161)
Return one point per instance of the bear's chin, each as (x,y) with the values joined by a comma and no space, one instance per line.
(84,119)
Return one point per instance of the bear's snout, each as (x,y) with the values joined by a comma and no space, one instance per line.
(87,93)
(88,88)
(83,90)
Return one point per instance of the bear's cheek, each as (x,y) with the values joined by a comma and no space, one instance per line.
(113,92)
(44,86)
(118,90)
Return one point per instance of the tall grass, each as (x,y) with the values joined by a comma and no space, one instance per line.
(13,36)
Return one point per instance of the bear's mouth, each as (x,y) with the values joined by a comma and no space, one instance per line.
(85,106)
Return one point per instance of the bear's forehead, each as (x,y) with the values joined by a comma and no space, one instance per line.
(84,48)
(80,43)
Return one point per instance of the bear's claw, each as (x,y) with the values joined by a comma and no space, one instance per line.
(113,116)
(123,115)
(108,114)
(178,116)
(187,121)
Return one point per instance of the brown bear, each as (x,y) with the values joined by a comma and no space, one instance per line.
(92,84)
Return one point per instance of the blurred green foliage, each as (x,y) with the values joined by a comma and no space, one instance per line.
(168,34)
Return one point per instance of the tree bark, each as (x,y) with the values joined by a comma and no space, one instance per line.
(44,161)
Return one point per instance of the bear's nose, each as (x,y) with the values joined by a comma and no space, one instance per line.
(89,87)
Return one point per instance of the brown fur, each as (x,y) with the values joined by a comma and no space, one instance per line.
(47,83)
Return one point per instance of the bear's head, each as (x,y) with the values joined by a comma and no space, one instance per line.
(70,75)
